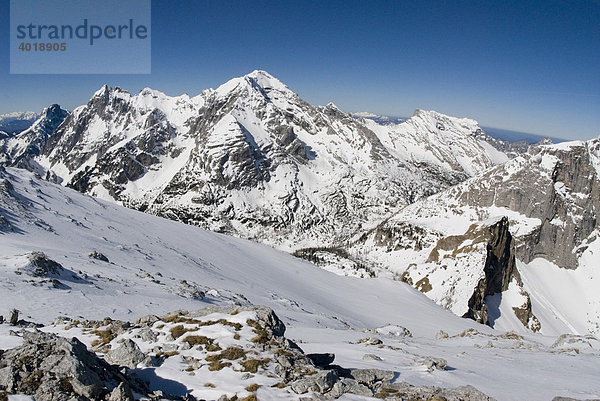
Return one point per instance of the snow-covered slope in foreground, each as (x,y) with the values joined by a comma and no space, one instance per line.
(149,257)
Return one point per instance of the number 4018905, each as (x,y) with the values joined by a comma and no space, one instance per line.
(42,47)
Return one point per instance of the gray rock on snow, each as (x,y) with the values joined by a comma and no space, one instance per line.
(43,265)
(127,354)
(370,377)
(53,368)
(98,256)
(147,321)
(401,391)
(321,382)
(345,385)
(371,357)
(441,335)
(434,363)
(370,341)
(148,335)
(13,317)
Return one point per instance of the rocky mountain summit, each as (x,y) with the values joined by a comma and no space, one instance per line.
(20,150)
(252,159)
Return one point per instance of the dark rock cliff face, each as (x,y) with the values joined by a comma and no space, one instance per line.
(500,269)
(570,216)
(565,199)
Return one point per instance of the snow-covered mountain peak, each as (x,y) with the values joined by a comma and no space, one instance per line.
(438,119)
(19,149)
(49,112)
(107,94)
(102,91)
(149,92)
(266,80)
(257,82)
(258,159)
(105,90)
(177,109)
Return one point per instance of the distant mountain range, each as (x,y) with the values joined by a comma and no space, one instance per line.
(436,201)
(12,123)
(496,133)
(516,136)
(16,122)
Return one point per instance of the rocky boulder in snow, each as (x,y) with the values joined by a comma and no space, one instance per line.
(402,391)
(98,256)
(43,266)
(127,354)
(53,368)
(13,317)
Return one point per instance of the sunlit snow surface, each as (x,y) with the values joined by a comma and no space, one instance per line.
(324,312)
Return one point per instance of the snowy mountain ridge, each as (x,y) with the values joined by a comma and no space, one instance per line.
(21,149)
(252,159)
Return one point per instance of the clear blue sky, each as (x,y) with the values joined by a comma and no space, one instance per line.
(531,66)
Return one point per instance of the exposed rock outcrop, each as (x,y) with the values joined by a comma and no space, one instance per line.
(127,354)
(43,266)
(557,185)
(53,368)
(98,256)
(13,317)
(571,206)
(403,391)
(500,270)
